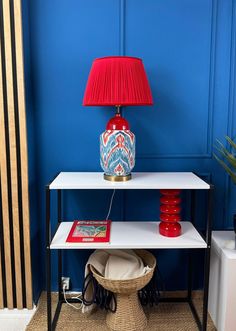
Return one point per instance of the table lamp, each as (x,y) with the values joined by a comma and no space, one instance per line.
(117,81)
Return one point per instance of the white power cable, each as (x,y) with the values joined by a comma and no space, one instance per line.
(78,297)
(70,304)
(109,210)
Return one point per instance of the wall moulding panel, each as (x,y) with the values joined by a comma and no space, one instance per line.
(133,43)
(15,257)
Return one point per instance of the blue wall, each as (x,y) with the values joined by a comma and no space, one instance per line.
(188,48)
(36,228)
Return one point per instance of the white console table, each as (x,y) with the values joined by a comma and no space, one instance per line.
(134,234)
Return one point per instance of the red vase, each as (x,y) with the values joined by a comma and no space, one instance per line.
(170,213)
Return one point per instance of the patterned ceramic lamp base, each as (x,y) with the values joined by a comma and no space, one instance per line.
(117,154)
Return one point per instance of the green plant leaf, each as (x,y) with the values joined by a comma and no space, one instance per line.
(223,151)
(226,154)
(226,167)
(222,147)
(232,160)
(231,142)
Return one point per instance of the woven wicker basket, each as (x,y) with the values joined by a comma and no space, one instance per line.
(129,315)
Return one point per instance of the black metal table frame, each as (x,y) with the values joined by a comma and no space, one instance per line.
(201,323)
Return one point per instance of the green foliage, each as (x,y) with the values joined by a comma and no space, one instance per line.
(228,160)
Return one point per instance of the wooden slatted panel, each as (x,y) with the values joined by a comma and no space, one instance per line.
(4,189)
(23,150)
(17,285)
(13,152)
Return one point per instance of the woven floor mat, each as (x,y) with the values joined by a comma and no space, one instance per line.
(164,317)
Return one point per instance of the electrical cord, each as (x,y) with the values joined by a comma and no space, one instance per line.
(150,294)
(77,298)
(110,206)
(103,298)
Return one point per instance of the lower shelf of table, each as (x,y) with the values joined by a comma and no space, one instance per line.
(135,235)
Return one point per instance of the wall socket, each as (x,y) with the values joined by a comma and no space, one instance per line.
(65,282)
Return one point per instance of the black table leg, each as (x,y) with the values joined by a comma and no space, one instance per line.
(59,206)
(190,251)
(207,260)
(48,261)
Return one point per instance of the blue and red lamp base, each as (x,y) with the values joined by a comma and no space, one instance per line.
(117,149)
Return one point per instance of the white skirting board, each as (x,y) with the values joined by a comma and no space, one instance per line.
(15,319)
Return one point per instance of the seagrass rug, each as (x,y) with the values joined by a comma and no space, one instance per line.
(164,317)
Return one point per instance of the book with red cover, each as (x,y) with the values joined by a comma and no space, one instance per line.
(90,231)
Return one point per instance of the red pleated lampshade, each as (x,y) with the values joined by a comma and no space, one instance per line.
(117,81)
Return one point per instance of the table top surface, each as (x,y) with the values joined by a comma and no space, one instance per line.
(133,235)
(140,180)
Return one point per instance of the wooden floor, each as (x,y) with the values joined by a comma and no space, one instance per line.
(165,317)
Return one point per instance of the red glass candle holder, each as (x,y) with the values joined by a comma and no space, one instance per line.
(170,213)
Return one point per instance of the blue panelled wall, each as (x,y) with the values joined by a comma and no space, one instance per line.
(188,49)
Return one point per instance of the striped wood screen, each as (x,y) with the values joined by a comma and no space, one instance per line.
(15,260)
